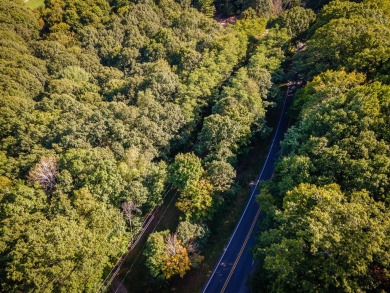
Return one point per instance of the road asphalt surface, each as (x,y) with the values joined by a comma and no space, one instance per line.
(237,262)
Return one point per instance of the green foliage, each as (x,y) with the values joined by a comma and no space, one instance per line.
(21,73)
(214,68)
(69,243)
(168,256)
(96,98)
(240,108)
(327,205)
(324,85)
(95,168)
(349,10)
(348,35)
(219,131)
(297,20)
(196,200)
(326,240)
(341,136)
(263,8)
(155,253)
(188,232)
(228,7)
(206,6)
(60,16)
(238,113)
(251,8)
(17,18)
(221,174)
(382,5)
(35,3)
(186,170)
(254,28)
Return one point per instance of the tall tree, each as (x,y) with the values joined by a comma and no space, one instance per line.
(186,170)
(206,6)
(326,240)
(167,256)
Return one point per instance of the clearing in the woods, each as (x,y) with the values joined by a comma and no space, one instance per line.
(34,3)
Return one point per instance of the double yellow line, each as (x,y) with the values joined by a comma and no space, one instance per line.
(241,251)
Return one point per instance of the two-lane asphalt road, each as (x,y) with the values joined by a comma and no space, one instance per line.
(237,263)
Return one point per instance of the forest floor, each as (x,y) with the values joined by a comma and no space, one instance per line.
(225,21)
(134,275)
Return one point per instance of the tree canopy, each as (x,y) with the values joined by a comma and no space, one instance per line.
(101,102)
(106,105)
(327,241)
(326,208)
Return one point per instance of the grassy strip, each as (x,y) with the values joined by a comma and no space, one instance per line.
(34,3)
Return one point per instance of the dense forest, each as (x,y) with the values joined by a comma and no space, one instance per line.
(327,218)
(102,105)
(106,104)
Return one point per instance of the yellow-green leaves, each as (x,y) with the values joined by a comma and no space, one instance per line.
(168,256)
(326,239)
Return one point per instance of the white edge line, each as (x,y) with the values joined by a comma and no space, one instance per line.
(253,192)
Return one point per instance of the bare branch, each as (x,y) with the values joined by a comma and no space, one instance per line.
(45,173)
(171,244)
(128,207)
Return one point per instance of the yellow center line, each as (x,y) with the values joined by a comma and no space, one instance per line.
(241,251)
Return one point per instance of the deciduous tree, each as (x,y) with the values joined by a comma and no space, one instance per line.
(328,240)
(186,170)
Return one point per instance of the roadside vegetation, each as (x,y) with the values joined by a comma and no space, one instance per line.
(327,218)
(105,103)
(102,102)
